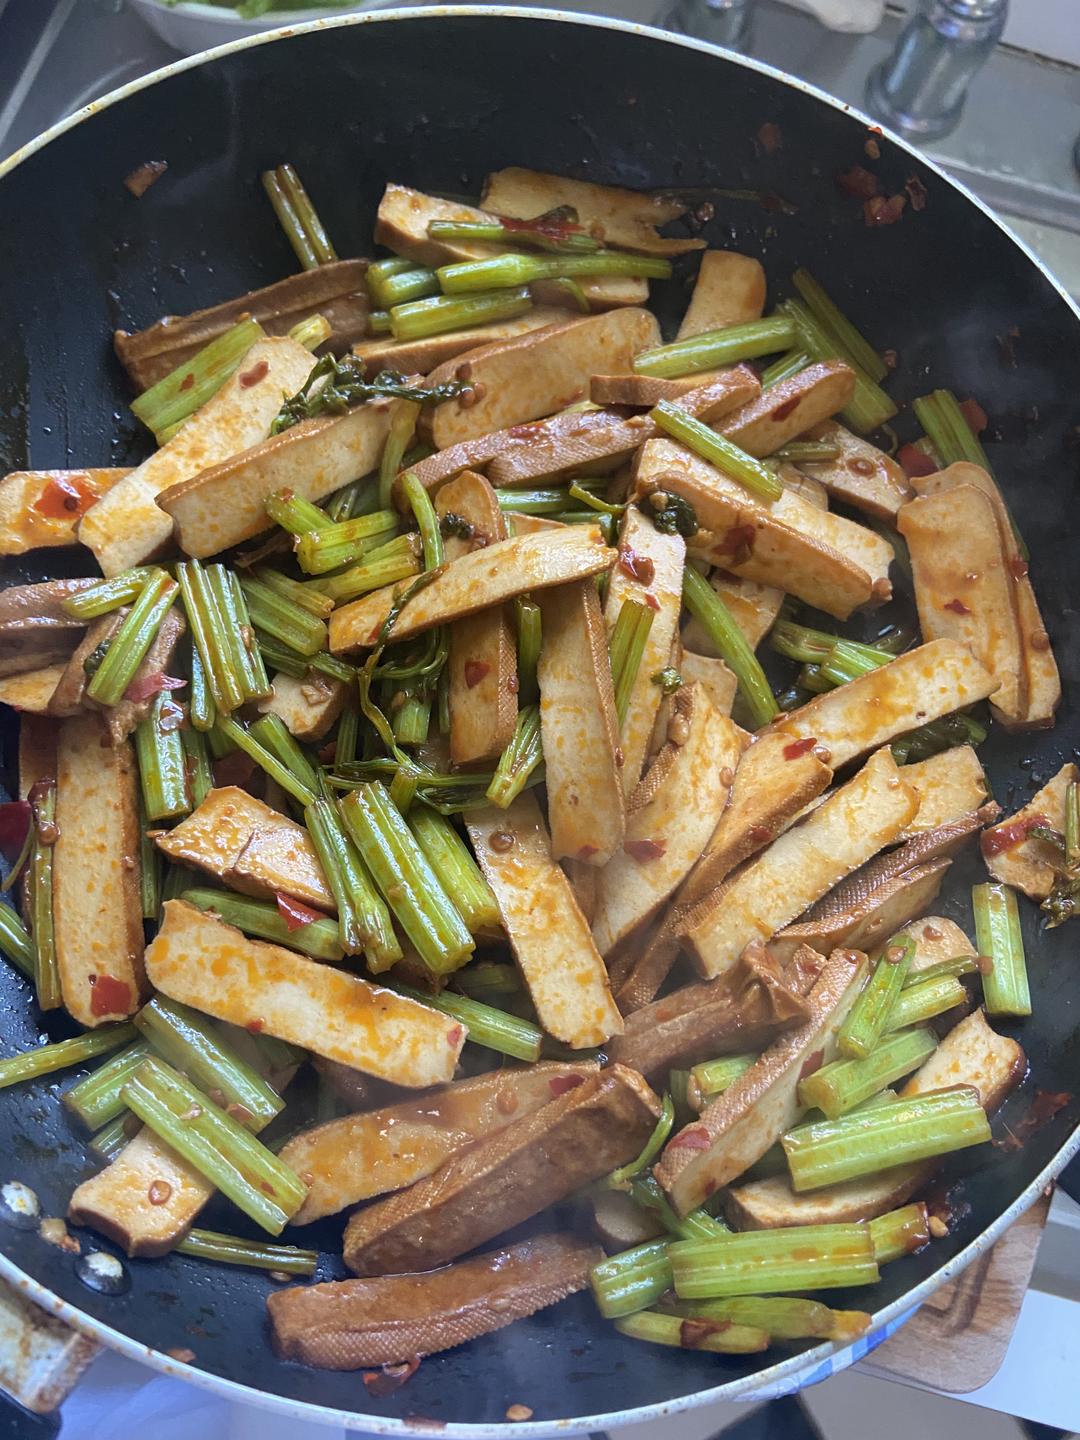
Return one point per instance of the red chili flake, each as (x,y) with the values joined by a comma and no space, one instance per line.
(109,996)
(1011,834)
(645,850)
(879,211)
(585,851)
(915,461)
(475,670)
(143,176)
(638,567)
(258,371)
(787,408)
(770,137)
(15,819)
(295,914)
(561,1084)
(453,1035)
(799,747)
(255,1027)
(650,600)
(811,1063)
(858,182)
(188,380)
(694,1137)
(694,1333)
(1018,567)
(957,607)
(145,686)
(974,414)
(64,497)
(916,192)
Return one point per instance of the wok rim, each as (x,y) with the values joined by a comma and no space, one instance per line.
(783,1376)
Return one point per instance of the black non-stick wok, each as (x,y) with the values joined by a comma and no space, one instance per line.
(435,99)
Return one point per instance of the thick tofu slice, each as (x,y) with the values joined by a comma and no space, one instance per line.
(642,392)
(225,502)
(566,978)
(32,690)
(729,290)
(97,908)
(754,608)
(126,526)
(476,581)
(483,647)
(420,357)
(791,407)
(627,219)
(116,1201)
(357,1157)
(38,735)
(947,786)
(869,919)
(307,706)
(650,571)
(734,1131)
(402,226)
(203,962)
(579,727)
(536,374)
(672,822)
(844,832)
(828,561)
(1015,857)
(39,509)
(250,846)
(1043,680)
(861,475)
(971,1054)
(714,677)
(921,685)
(936,939)
(963,588)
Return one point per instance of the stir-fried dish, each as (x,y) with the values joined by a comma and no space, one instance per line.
(479,785)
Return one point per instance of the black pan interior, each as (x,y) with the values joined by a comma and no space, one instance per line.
(436,101)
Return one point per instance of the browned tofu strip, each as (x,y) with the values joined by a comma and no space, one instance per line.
(225,503)
(1017,858)
(35,651)
(620,1222)
(734,1131)
(578,725)
(123,717)
(624,218)
(39,509)
(947,786)
(642,392)
(745,1009)
(649,571)
(38,735)
(116,1201)
(483,648)
(851,826)
(336,291)
(582,1134)
(348,1324)
(861,475)
(565,976)
(230,826)
(1043,680)
(963,588)
(971,1054)
(97,909)
(359,1156)
(67,699)
(921,685)
(197,959)
(514,381)
(714,677)
(420,357)
(307,706)
(475,581)
(38,610)
(790,407)
(32,690)
(729,290)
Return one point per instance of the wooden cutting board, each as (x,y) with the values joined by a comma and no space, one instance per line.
(958,1339)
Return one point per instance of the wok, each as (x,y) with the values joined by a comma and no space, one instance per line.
(436,98)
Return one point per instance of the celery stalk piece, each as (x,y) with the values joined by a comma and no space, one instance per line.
(468,277)
(757,478)
(706,605)
(840,1086)
(274,735)
(128,647)
(868,1018)
(723,1337)
(655,1143)
(418,319)
(217,1146)
(454,864)
(519,761)
(869,407)
(232,606)
(713,1077)
(402,428)
(427,520)
(15,942)
(297,592)
(489,981)
(320,551)
(781,1316)
(714,348)
(918,1003)
(997,934)
(364,923)
(295,514)
(398,559)
(944,969)
(784,368)
(488,1026)
(199,772)
(201,708)
(245,741)
(210,638)
(298,217)
(176,397)
(558,238)
(264,920)
(47,1058)
(899,1232)
(632,1280)
(107,595)
(99,1098)
(851,344)
(108,1142)
(46,969)
(163,769)
(378,270)
(232,1250)
(627,647)
(283,618)
(529,639)
(150,857)
(768,1262)
(405,285)
(698,1225)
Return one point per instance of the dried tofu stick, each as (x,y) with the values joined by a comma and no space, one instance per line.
(947,785)
(790,407)
(563,970)
(97,902)
(579,727)
(670,822)
(210,966)
(729,290)
(650,568)
(33,690)
(476,581)
(482,662)
(845,831)
(1014,855)
(718,682)
(40,509)
(860,475)
(963,588)
(922,684)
